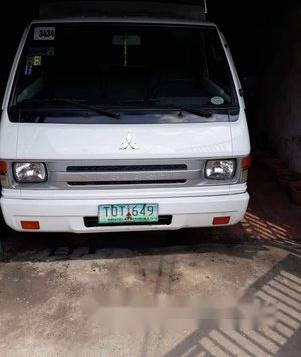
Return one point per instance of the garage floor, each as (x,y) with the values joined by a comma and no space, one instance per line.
(216,292)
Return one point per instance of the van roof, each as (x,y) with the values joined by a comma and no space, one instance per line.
(134,20)
(168,9)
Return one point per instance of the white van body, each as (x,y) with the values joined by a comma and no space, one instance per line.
(160,163)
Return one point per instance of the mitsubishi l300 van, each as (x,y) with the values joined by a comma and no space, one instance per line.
(123,123)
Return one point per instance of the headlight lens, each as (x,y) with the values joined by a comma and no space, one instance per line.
(220,169)
(30,172)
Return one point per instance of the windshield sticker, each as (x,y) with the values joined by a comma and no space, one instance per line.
(217,100)
(34,61)
(41,51)
(44,34)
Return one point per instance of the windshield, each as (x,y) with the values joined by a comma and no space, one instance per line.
(116,66)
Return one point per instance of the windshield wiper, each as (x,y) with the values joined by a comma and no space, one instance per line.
(74,103)
(200,112)
(138,101)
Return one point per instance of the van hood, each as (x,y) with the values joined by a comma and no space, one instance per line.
(73,141)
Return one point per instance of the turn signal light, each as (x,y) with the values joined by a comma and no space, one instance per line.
(3,167)
(32,225)
(221,220)
(246,162)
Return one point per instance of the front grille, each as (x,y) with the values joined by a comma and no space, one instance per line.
(136,182)
(126,168)
(91,222)
(108,174)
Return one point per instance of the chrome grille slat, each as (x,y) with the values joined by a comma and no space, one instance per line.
(120,183)
(125,176)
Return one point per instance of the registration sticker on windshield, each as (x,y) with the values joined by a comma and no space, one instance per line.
(217,100)
(34,61)
(44,33)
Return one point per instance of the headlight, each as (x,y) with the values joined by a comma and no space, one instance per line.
(30,172)
(220,169)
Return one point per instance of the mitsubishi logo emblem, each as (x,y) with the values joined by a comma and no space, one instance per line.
(128,143)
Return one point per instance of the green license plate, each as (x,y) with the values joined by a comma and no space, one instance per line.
(128,213)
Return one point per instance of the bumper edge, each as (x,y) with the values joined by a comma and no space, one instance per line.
(67,215)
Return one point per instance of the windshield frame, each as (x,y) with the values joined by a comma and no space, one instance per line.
(127,22)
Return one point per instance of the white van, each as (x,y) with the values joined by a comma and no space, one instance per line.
(123,123)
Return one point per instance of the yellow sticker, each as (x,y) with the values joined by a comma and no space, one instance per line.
(34,60)
(37,60)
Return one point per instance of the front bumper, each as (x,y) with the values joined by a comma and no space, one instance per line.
(63,215)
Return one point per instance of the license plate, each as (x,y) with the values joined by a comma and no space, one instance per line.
(128,213)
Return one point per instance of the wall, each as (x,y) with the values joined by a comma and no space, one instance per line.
(280,108)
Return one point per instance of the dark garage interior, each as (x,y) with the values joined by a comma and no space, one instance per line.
(46,277)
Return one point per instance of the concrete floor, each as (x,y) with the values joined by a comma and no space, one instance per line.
(203,292)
